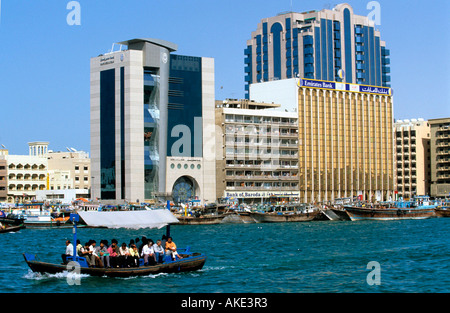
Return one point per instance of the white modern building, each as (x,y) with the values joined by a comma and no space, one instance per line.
(152,115)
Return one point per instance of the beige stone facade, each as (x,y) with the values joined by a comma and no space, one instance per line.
(440,157)
(69,170)
(257,154)
(412,158)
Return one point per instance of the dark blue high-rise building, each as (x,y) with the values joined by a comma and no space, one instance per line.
(331,45)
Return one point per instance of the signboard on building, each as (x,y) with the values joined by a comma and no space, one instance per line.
(261,194)
(327,85)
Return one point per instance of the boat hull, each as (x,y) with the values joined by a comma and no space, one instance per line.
(342,214)
(205,220)
(283,218)
(187,264)
(12,228)
(12,221)
(442,213)
(358,213)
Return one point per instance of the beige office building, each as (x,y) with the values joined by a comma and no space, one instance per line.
(69,170)
(412,158)
(345,137)
(257,154)
(440,157)
(25,173)
(3,176)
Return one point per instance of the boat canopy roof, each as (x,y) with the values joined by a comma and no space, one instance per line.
(129,219)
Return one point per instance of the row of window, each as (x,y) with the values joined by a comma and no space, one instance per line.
(179,166)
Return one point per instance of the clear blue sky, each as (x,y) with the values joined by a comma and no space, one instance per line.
(44,62)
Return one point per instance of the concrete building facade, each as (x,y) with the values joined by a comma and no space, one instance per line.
(440,157)
(412,158)
(69,170)
(345,137)
(257,154)
(26,174)
(148,105)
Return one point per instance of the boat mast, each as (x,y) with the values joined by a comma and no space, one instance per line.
(74,218)
(168,225)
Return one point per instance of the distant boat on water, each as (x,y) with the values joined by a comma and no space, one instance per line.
(419,208)
(286,213)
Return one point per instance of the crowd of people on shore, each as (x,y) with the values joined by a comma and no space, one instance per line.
(119,256)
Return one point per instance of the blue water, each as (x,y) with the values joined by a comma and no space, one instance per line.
(323,256)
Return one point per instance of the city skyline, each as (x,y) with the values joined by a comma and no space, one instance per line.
(45,85)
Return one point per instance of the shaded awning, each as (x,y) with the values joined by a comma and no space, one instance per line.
(157,218)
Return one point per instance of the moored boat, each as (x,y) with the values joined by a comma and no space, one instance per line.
(200,220)
(280,217)
(11,228)
(360,213)
(442,212)
(11,219)
(419,208)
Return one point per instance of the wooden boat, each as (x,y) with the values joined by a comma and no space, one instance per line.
(279,217)
(11,219)
(236,217)
(47,221)
(420,207)
(189,262)
(442,212)
(341,213)
(122,219)
(360,213)
(9,228)
(200,220)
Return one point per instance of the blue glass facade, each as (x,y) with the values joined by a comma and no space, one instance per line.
(348,46)
(332,50)
(107,134)
(276,30)
(185,103)
(122,131)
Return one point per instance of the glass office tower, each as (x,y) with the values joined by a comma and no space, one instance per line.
(332,45)
(139,98)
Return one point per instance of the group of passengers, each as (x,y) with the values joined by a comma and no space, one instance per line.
(113,256)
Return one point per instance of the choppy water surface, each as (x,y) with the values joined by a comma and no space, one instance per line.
(414,256)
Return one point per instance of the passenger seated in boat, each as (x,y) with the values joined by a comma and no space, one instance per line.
(143,243)
(79,246)
(103,253)
(98,261)
(124,254)
(171,249)
(69,252)
(159,251)
(86,253)
(113,255)
(148,254)
(134,256)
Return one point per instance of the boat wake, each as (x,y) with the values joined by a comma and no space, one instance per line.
(38,276)
(142,277)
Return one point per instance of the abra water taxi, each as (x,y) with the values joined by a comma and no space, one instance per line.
(127,219)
